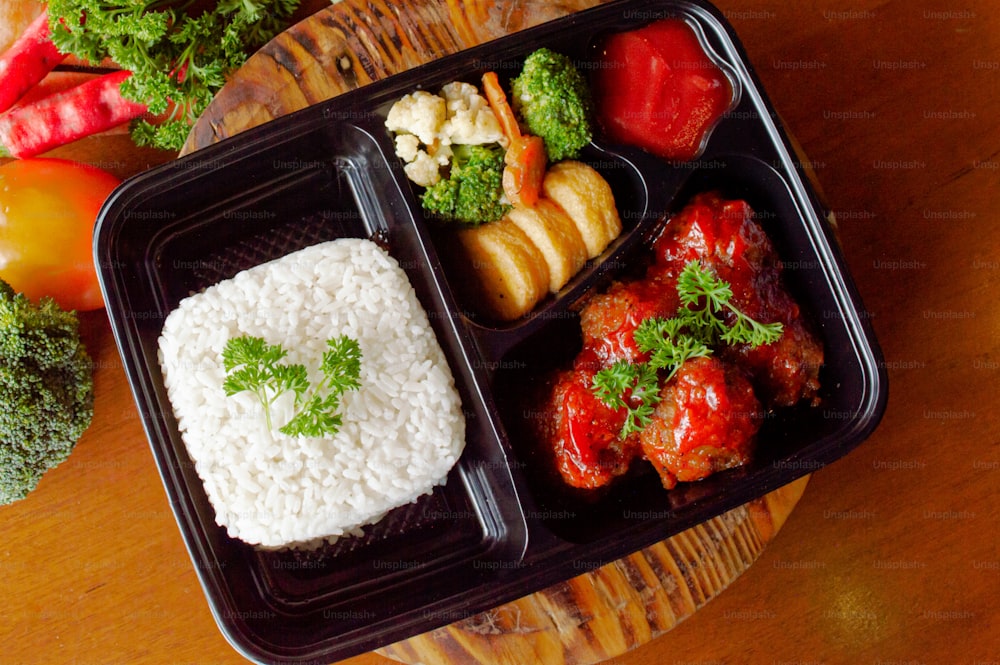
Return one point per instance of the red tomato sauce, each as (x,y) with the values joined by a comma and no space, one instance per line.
(657,89)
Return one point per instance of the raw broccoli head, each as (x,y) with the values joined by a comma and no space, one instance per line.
(473,191)
(46,390)
(553,100)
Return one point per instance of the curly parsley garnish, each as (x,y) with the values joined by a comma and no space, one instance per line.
(703,297)
(180,54)
(253,365)
(696,327)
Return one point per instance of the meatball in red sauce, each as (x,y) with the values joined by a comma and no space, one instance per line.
(583,433)
(724,235)
(705,422)
(710,408)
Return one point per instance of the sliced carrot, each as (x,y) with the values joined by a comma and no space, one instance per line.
(525,160)
(524,170)
(501,108)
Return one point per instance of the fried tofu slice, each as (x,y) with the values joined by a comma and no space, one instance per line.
(587,198)
(513,263)
(556,236)
(511,272)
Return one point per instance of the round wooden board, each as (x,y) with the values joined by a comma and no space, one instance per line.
(599,614)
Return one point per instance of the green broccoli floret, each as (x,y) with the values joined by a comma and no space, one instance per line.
(46,390)
(553,100)
(473,191)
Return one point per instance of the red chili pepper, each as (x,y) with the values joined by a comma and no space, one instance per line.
(27,61)
(89,108)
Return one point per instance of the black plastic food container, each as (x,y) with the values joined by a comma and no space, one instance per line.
(494,532)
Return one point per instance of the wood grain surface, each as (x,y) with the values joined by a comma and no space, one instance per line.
(893,553)
(622,605)
(353,42)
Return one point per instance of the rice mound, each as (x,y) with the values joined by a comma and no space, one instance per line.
(402,431)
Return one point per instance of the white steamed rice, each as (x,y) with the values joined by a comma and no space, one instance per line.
(402,431)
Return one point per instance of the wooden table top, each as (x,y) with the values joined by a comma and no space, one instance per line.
(891,556)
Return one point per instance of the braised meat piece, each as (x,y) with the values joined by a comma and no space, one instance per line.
(608,319)
(705,422)
(709,407)
(583,433)
(724,235)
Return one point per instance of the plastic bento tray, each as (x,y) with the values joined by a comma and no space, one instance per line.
(493,532)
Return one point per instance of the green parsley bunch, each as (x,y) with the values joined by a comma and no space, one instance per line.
(180,53)
(253,365)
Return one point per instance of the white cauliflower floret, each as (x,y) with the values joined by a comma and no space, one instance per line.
(407,147)
(423,169)
(419,113)
(423,164)
(470,120)
(427,125)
